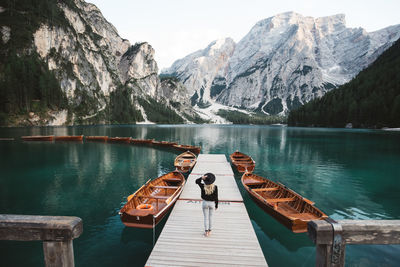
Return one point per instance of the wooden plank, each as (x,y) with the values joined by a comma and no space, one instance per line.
(265,189)
(58,254)
(164,187)
(153,197)
(172,179)
(207,259)
(255,183)
(56,232)
(233,241)
(36,228)
(275,200)
(207,158)
(161,263)
(357,231)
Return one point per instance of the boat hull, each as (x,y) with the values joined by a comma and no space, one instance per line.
(96,138)
(164,143)
(244,168)
(185,161)
(286,206)
(119,140)
(183,168)
(298,227)
(142,141)
(146,222)
(193,149)
(161,193)
(242,162)
(69,138)
(38,138)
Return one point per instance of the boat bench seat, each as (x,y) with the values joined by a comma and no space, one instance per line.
(184,164)
(165,187)
(254,183)
(154,197)
(304,216)
(172,180)
(275,200)
(265,189)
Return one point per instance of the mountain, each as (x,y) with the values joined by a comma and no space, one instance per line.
(63,63)
(198,70)
(371,99)
(282,63)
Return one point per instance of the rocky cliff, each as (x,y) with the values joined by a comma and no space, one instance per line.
(198,70)
(105,79)
(282,63)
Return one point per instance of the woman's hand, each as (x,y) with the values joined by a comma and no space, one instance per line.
(203,177)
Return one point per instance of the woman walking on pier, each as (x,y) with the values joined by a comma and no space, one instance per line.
(209,194)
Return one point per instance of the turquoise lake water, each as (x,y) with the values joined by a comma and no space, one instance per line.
(349,174)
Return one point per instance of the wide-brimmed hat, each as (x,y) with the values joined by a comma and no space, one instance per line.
(210,178)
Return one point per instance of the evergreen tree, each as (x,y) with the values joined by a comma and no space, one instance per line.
(371,99)
(26,79)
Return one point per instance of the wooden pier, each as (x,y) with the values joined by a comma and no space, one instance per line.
(56,232)
(233,241)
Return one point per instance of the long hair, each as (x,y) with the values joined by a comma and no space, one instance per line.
(209,189)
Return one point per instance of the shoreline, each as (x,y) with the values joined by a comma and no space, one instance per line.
(391,129)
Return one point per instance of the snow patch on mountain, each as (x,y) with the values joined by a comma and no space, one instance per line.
(283,62)
(198,70)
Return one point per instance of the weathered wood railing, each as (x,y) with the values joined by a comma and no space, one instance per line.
(56,232)
(331,238)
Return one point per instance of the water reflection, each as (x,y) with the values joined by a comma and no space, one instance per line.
(349,174)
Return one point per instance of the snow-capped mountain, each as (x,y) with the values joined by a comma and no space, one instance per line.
(199,69)
(283,62)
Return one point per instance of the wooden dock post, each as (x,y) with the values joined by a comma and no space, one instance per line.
(56,232)
(330,252)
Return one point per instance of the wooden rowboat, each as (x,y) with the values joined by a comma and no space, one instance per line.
(185,161)
(119,139)
(242,162)
(141,141)
(164,143)
(154,142)
(285,205)
(193,149)
(96,138)
(69,138)
(38,138)
(149,204)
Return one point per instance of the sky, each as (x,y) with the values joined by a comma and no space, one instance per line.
(176,28)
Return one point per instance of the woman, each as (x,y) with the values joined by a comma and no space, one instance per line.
(209,194)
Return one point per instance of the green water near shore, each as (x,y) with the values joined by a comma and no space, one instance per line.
(349,174)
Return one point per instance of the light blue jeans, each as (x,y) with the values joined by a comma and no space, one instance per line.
(208,211)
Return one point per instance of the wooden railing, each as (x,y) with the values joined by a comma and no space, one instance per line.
(56,232)
(332,237)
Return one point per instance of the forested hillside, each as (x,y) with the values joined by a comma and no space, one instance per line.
(63,63)
(370,100)
(26,84)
